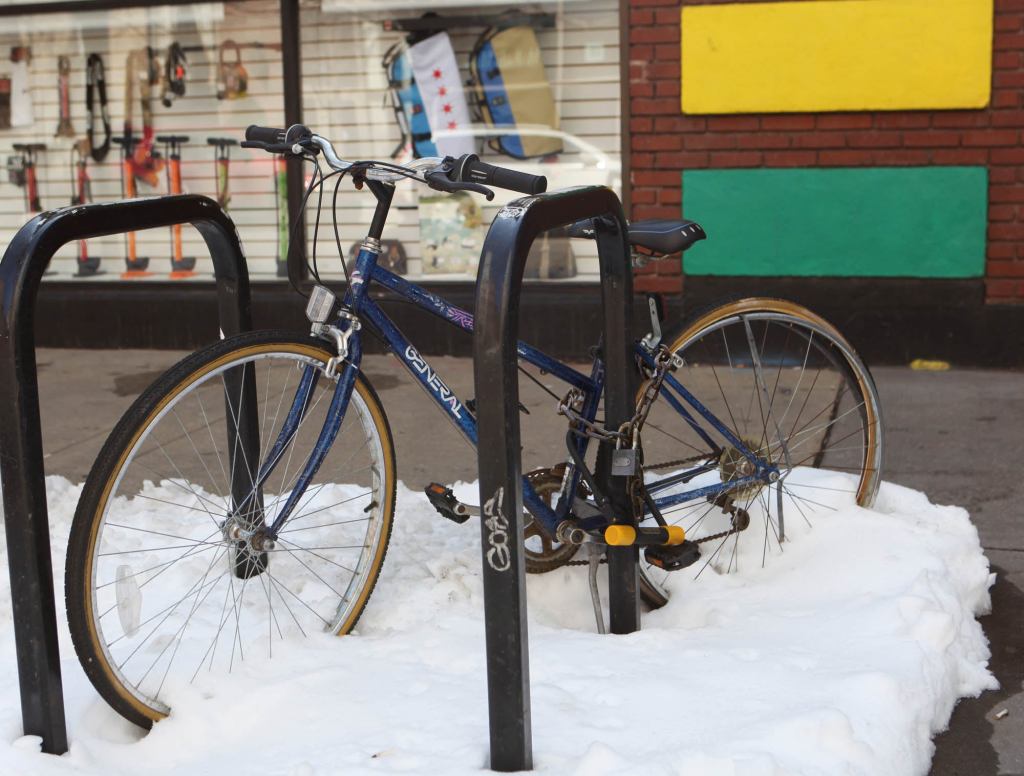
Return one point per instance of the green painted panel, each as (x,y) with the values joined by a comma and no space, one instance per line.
(853,222)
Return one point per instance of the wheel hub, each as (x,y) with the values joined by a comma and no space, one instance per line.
(248,548)
(733,465)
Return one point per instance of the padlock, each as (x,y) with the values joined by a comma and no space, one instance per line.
(624,462)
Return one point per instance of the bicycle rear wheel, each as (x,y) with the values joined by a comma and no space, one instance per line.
(792,390)
(159,590)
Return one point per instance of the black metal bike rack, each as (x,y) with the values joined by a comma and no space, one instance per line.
(496,328)
(21,444)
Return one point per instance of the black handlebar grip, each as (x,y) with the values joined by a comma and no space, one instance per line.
(472,170)
(268,135)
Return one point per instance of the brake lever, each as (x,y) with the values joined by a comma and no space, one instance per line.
(288,149)
(439,181)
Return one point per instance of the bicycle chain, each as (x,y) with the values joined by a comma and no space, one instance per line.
(677,462)
(665,361)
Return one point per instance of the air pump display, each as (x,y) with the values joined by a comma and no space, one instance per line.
(181,266)
(222,167)
(21,171)
(135,265)
(81,194)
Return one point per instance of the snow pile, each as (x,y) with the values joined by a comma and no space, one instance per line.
(844,654)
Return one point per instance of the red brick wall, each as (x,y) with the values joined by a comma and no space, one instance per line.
(664,142)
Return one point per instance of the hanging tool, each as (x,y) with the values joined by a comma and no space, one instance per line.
(281,200)
(22,113)
(221,166)
(81,193)
(232,77)
(175,69)
(64,128)
(142,72)
(135,265)
(25,170)
(96,86)
(181,266)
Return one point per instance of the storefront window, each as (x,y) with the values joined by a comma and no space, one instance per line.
(196,73)
(533,87)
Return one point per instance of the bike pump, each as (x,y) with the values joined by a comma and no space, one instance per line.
(29,154)
(81,194)
(281,199)
(181,266)
(135,265)
(221,167)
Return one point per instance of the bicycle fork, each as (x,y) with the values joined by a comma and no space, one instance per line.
(247,526)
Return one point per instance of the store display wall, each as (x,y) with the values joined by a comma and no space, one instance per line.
(345,96)
(198,114)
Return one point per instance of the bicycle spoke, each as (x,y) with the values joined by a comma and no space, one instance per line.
(195,450)
(213,441)
(299,560)
(291,553)
(151,568)
(292,520)
(211,650)
(167,612)
(791,392)
(327,525)
(176,640)
(199,500)
(236,417)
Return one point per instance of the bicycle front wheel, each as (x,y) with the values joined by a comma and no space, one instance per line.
(793,392)
(160,589)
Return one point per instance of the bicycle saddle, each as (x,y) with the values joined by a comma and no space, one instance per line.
(665,235)
(662,236)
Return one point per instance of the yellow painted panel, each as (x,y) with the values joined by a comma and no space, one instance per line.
(836,55)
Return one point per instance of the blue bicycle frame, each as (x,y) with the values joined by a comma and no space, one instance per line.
(359,303)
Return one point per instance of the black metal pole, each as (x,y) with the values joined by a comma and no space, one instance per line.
(21,446)
(501,520)
(291,76)
(496,328)
(619,402)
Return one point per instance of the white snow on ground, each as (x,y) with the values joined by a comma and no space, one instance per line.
(843,655)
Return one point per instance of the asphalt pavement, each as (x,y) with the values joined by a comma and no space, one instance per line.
(956,435)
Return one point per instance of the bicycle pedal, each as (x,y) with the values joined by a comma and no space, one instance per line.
(673,558)
(444,501)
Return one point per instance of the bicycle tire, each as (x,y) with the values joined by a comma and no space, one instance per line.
(829,347)
(123,447)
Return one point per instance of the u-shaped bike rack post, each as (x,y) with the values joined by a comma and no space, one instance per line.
(21,444)
(496,328)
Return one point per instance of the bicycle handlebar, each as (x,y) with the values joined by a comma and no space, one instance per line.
(267,135)
(470,169)
(448,174)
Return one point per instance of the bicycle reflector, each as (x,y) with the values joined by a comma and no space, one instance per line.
(321,303)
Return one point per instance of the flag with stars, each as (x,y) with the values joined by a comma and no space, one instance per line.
(440,84)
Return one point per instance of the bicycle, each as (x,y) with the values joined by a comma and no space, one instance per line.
(177,525)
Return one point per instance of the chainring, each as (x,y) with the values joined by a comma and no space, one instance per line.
(542,552)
